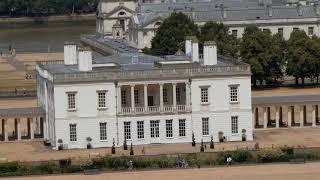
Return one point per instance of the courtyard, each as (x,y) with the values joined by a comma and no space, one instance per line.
(36,151)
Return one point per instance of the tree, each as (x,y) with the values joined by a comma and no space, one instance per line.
(227,44)
(315,50)
(113,148)
(211,143)
(300,57)
(171,34)
(202,146)
(193,140)
(131,150)
(125,146)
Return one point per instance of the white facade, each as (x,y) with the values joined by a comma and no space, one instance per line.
(164,103)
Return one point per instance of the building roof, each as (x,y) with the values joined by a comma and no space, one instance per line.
(286,99)
(21,112)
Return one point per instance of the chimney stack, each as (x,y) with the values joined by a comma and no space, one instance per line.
(299,8)
(210,56)
(269,9)
(195,50)
(85,59)
(70,53)
(188,45)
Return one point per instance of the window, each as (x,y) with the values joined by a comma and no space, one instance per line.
(140,129)
(265,30)
(123,97)
(233,93)
(205,126)
(234,33)
(154,129)
(71,100)
(295,29)
(204,95)
(165,95)
(127,130)
(73,132)
(136,96)
(178,95)
(234,124)
(102,99)
(182,127)
(280,31)
(103,131)
(310,30)
(169,132)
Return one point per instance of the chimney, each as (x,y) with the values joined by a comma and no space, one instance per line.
(195,50)
(70,53)
(85,59)
(210,56)
(299,8)
(269,9)
(188,45)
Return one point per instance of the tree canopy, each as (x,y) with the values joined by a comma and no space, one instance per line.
(171,34)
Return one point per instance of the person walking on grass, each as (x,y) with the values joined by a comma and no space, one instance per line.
(229,161)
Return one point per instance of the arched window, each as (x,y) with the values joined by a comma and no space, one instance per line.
(122,13)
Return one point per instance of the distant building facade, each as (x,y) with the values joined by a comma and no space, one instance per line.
(145,99)
(143,18)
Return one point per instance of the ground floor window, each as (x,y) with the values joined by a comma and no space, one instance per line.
(154,128)
(140,129)
(234,124)
(169,132)
(205,126)
(103,131)
(127,130)
(182,127)
(73,132)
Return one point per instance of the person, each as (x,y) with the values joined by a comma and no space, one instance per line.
(130,164)
(229,161)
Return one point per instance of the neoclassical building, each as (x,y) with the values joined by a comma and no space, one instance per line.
(139,20)
(145,99)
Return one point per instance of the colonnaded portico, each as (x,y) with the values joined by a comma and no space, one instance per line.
(22,124)
(154,97)
(286,111)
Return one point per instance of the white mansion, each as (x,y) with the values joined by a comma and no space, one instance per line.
(145,99)
(138,20)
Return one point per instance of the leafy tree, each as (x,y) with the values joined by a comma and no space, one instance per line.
(125,146)
(193,140)
(171,34)
(300,57)
(315,50)
(227,44)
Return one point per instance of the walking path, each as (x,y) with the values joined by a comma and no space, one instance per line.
(309,171)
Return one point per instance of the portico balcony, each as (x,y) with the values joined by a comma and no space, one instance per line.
(155,98)
(154,109)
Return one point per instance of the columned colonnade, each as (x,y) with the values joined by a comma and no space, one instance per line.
(286,115)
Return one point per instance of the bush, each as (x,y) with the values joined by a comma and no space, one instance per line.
(238,156)
(48,167)
(272,155)
(8,167)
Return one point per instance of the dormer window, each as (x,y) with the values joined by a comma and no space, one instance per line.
(122,13)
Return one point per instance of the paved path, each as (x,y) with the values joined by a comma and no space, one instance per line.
(309,171)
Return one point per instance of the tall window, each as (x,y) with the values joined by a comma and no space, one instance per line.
(169,132)
(102,99)
(233,93)
(140,129)
(182,127)
(127,130)
(71,100)
(123,97)
(154,128)
(73,132)
(280,31)
(178,95)
(165,95)
(204,95)
(103,131)
(136,96)
(310,30)
(234,124)
(205,126)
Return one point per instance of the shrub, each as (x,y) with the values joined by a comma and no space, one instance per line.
(193,140)
(48,167)
(131,150)
(238,156)
(8,167)
(272,155)
(211,143)
(201,146)
(125,146)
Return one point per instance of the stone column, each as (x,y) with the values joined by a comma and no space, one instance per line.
(18,130)
(277,116)
(32,120)
(314,115)
(6,130)
(289,116)
(301,116)
(265,117)
(188,97)
(45,129)
(161,96)
(174,95)
(132,98)
(253,117)
(119,99)
(145,93)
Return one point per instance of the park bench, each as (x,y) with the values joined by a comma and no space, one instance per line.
(91,171)
(297,161)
